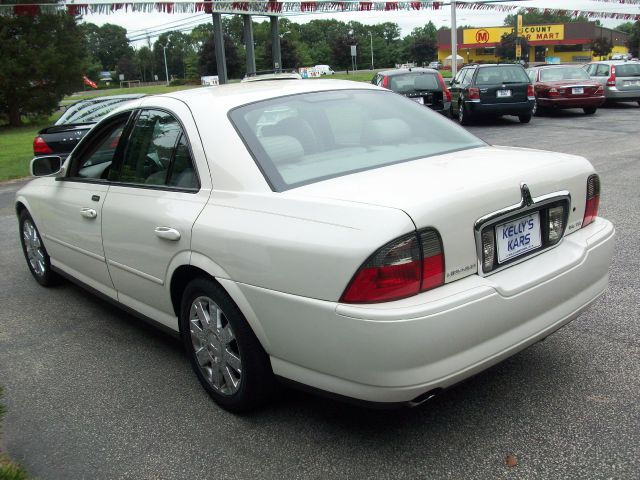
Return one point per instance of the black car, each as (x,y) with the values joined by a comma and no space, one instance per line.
(423,85)
(492,90)
(75,122)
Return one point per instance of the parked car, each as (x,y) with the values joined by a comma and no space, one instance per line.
(436,65)
(324,70)
(423,85)
(61,138)
(620,79)
(353,242)
(492,90)
(565,86)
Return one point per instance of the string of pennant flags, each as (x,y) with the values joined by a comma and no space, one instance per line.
(283,7)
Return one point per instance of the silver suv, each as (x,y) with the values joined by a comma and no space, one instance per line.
(620,79)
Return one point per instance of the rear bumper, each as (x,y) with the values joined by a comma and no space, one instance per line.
(519,108)
(398,351)
(571,102)
(613,93)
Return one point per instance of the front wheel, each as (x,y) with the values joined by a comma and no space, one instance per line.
(224,352)
(525,118)
(34,252)
(589,110)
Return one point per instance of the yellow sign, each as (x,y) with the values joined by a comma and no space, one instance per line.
(518,51)
(536,33)
(533,33)
(484,35)
(519,27)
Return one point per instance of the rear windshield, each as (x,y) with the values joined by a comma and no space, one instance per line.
(557,74)
(302,139)
(628,70)
(412,82)
(90,111)
(502,74)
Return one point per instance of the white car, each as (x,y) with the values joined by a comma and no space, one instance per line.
(331,234)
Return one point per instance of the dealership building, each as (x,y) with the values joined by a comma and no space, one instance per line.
(554,43)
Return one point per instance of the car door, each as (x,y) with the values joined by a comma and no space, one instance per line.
(160,185)
(455,87)
(601,73)
(72,216)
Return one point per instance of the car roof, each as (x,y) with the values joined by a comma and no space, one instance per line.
(614,62)
(232,95)
(400,71)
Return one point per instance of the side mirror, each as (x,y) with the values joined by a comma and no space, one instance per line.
(45,166)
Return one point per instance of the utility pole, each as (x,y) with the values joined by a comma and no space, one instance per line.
(371,39)
(166,69)
(454,41)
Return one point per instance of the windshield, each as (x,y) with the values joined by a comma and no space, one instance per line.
(414,81)
(502,74)
(628,70)
(557,74)
(306,138)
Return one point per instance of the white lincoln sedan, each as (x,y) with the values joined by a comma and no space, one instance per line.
(330,234)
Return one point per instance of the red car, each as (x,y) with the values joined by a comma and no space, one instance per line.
(565,86)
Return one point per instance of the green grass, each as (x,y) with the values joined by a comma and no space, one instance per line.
(16,150)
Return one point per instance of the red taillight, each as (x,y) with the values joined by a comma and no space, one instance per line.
(553,92)
(40,147)
(611,81)
(593,200)
(385,82)
(404,267)
(445,90)
(474,93)
(530,91)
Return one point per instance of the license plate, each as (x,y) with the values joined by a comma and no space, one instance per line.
(504,93)
(577,91)
(632,83)
(518,237)
(420,100)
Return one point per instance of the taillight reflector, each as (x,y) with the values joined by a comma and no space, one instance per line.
(404,267)
(611,81)
(385,82)
(40,147)
(474,93)
(593,200)
(530,91)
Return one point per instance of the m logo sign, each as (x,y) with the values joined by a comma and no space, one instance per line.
(482,36)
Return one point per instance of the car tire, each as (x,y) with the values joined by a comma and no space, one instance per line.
(589,110)
(225,354)
(525,118)
(35,253)
(464,117)
(535,109)
(639,103)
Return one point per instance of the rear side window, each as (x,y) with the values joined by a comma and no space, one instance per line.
(628,70)
(412,82)
(306,138)
(506,74)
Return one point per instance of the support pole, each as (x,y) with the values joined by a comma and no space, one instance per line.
(248,44)
(218,41)
(275,44)
(454,40)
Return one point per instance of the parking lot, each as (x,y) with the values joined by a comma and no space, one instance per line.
(95,393)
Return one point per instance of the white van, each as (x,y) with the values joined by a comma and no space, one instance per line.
(324,70)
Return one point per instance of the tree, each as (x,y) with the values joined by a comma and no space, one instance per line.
(208,65)
(506,49)
(633,42)
(42,59)
(341,51)
(601,47)
(127,67)
(626,27)
(536,17)
(288,53)
(107,44)
(421,44)
(144,61)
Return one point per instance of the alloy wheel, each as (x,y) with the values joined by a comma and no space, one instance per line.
(215,346)
(34,249)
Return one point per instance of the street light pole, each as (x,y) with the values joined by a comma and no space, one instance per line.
(371,39)
(166,69)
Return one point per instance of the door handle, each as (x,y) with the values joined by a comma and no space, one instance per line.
(167,233)
(88,212)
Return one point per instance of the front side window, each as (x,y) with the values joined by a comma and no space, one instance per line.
(97,151)
(602,70)
(306,138)
(157,153)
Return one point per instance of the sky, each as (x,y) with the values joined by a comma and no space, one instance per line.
(136,23)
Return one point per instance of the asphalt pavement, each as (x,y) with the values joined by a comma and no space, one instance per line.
(94,393)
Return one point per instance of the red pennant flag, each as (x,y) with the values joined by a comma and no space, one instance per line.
(87,81)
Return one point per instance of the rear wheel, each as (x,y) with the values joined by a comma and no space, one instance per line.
(34,252)
(464,117)
(224,352)
(589,110)
(534,110)
(525,118)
